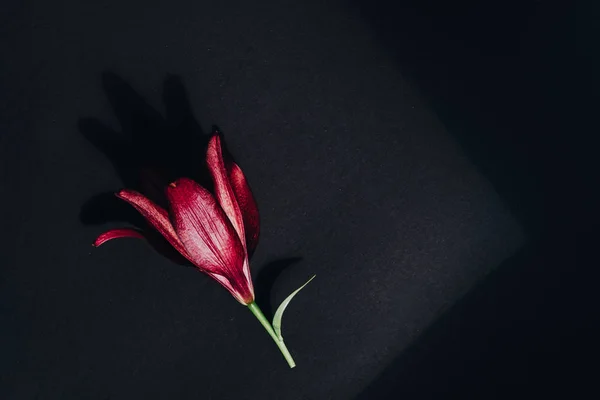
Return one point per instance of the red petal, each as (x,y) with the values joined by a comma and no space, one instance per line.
(157,216)
(246,202)
(223,190)
(116,234)
(156,240)
(209,238)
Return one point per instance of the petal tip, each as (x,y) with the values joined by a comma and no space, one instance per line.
(215,140)
(117,234)
(121,194)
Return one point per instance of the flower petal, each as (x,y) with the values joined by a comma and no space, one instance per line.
(157,216)
(246,203)
(154,238)
(209,237)
(116,234)
(223,190)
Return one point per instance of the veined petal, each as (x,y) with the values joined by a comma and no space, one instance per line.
(209,237)
(246,203)
(118,233)
(223,190)
(156,215)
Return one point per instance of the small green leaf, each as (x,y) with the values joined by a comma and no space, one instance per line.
(282,307)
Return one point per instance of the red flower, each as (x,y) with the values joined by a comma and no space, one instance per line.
(216,232)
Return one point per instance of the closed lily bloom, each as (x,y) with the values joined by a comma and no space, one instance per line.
(216,232)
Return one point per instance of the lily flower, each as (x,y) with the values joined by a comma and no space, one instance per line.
(216,232)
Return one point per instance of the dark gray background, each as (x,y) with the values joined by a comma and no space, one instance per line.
(385,146)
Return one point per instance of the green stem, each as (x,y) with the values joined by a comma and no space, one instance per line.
(267,325)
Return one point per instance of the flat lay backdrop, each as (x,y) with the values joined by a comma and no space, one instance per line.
(357,178)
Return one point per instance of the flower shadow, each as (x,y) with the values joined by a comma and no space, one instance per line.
(265,280)
(150,150)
